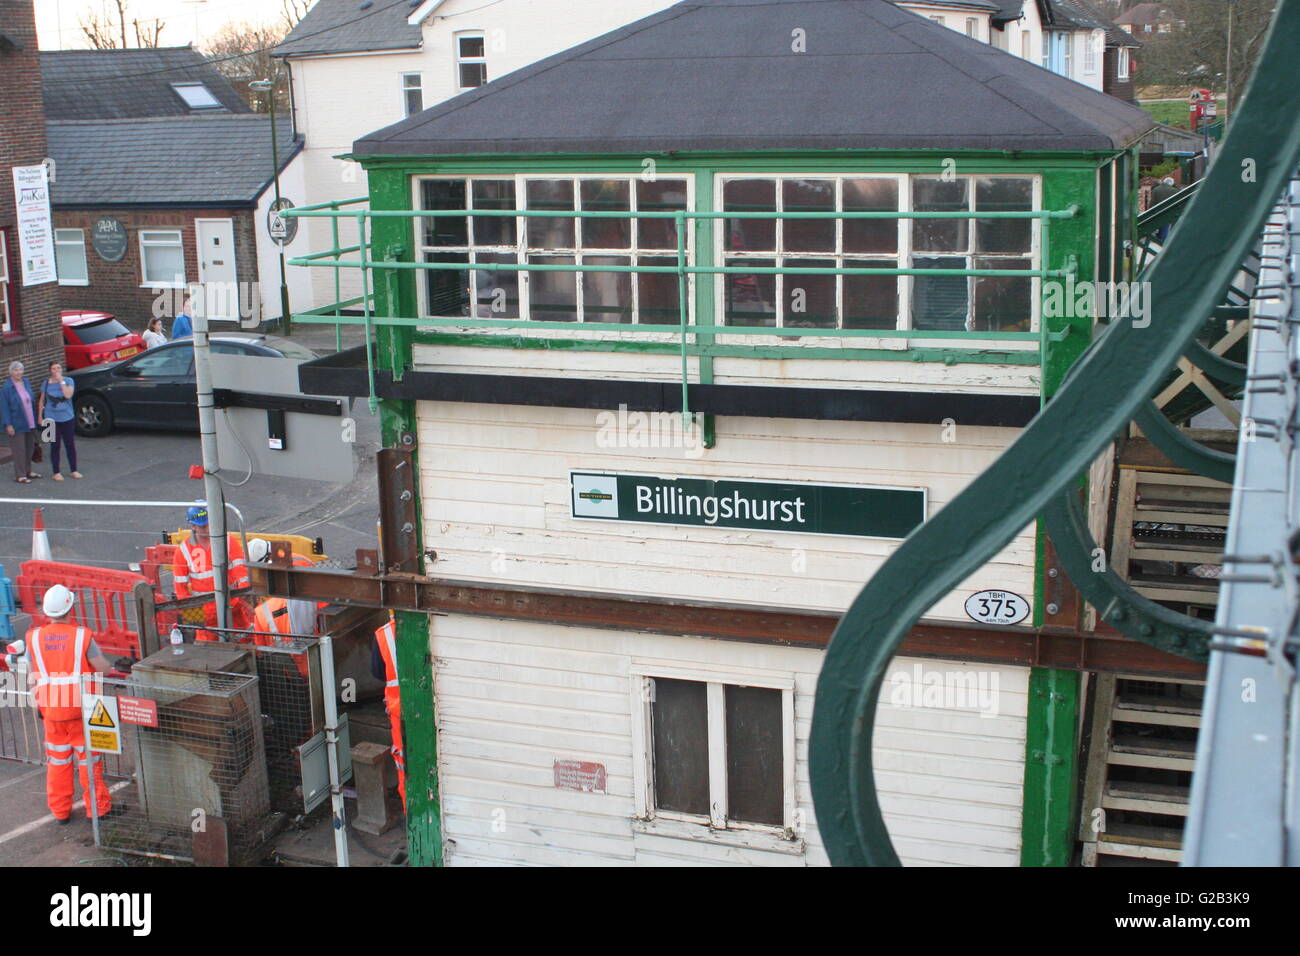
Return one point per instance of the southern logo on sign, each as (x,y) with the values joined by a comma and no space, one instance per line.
(861,511)
(997,607)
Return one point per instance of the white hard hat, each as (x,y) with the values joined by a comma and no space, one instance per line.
(17,647)
(258,549)
(58,601)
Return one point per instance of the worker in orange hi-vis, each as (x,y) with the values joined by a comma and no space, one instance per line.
(386,643)
(277,617)
(192,572)
(60,654)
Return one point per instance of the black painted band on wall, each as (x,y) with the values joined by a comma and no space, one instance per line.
(345,374)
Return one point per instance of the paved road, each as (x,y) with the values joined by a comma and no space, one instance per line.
(137,466)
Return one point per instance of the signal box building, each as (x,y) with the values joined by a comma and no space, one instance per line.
(727,210)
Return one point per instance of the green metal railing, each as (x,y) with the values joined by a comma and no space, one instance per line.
(1038,475)
(688,344)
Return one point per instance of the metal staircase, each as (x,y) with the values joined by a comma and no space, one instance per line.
(1108,388)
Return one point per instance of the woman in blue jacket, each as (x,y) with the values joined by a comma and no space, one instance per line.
(18,409)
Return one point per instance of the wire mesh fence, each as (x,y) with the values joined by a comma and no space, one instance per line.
(292,711)
(199,789)
(22,731)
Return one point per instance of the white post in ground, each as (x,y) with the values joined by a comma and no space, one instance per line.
(328,690)
(211,483)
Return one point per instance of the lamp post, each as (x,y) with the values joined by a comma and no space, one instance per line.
(268,87)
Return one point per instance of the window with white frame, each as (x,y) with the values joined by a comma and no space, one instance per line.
(972,27)
(162,257)
(1067,50)
(941,303)
(938,20)
(412,93)
(1121,68)
(623,297)
(1090,55)
(8,307)
(471,60)
(718,753)
(1026,45)
(70,256)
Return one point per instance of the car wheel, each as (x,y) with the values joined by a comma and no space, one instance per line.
(94,417)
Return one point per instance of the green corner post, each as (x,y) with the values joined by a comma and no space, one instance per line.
(1052,720)
(395,295)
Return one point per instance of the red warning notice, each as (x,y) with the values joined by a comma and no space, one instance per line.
(133,710)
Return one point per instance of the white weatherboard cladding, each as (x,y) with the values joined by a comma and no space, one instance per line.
(514,697)
(496,500)
(821,373)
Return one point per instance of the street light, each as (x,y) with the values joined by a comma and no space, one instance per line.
(268,87)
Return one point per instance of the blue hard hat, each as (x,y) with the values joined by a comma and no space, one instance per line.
(198,515)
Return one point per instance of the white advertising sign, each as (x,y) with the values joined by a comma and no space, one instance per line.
(35,228)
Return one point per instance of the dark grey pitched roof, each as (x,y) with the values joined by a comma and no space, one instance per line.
(720,75)
(1009,10)
(117,84)
(1078,16)
(165,161)
(349,26)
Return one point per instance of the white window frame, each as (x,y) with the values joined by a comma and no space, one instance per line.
(1068,56)
(973,28)
(197,85)
(146,282)
(1090,44)
(459,59)
(1121,64)
(938,20)
(904,255)
(1026,46)
(717,824)
(406,90)
(6,319)
(522,250)
(79,243)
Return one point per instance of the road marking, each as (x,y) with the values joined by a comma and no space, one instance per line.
(26,828)
(27,776)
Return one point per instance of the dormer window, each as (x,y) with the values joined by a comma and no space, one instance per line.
(197,96)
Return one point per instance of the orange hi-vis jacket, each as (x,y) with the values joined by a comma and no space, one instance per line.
(192,567)
(270,622)
(386,636)
(60,656)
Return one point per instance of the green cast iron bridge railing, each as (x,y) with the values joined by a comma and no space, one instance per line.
(1110,386)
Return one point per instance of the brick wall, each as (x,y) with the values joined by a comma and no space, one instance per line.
(38,337)
(117,287)
(1111,83)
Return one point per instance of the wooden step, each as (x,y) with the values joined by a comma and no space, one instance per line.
(1132,751)
(1186,555)
(1131,851)
(1184,515)
(1208,598)
(1152,709)
(1140,797)
(1134,834)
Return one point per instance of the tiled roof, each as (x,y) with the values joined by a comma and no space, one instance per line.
(721,75)
(119,84)
(353,26)
(175,161)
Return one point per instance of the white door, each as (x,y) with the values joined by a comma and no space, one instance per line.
(217,272)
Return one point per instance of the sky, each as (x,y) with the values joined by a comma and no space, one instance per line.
(57,20)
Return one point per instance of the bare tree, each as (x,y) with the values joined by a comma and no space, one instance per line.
(292,11)
(242,52)
(107,31)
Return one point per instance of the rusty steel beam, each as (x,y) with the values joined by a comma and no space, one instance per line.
(1056,647)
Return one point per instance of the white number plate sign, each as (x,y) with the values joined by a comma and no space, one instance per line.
(997,607)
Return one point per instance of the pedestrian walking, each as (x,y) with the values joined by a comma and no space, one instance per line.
(183,327)
(56,406)
(154,335)
(18,417)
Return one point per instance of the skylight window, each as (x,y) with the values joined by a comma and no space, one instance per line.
(196,96)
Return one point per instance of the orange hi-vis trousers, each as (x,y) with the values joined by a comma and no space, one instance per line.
(65,741)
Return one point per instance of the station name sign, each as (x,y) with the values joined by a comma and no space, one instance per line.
(860,511)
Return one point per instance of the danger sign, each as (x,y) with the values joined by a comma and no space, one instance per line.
(103,725)
(134,710)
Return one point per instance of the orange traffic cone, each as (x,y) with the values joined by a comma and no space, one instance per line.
(40,540)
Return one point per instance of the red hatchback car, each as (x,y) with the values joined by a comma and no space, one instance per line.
(93,338)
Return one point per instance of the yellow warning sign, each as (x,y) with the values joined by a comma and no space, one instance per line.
(104,741)
(100,717)
(99,711)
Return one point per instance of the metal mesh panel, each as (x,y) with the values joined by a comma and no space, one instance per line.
(199,771)
(292,709)
(22,733)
